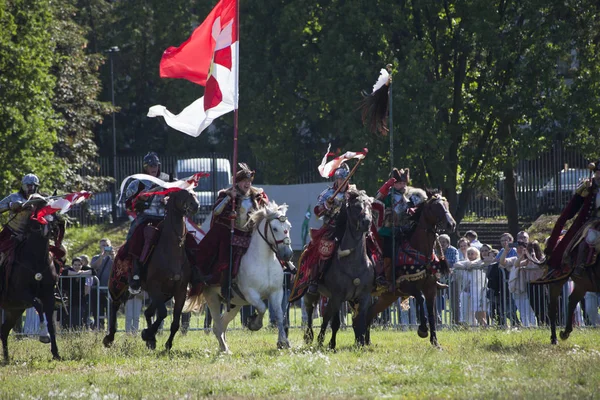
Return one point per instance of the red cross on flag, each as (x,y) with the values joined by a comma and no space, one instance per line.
(209,58)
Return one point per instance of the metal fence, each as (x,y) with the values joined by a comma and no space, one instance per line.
(469,301)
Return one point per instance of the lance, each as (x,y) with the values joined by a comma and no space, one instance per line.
(391,131)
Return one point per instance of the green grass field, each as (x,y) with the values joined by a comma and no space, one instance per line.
(472,364)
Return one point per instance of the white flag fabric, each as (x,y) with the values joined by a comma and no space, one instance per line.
(326,169)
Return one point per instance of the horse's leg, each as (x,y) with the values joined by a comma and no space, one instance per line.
(179,302)
(309,305)
(214,305)
(555,289)
(335,326)
(422,330)
(48,302)
(255,322)
(359,322)
(10,320)
(149,334)
(275,300)
(574,298)
(43,334)
(384,301)
(430,299)
(112,324)
(333,306)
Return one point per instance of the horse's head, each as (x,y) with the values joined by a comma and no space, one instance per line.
(184,201)
(436,214)
(358,211)
(274,227)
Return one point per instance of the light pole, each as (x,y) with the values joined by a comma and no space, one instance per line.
(111,52)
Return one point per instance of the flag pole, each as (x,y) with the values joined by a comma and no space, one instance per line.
(391,129)
(235,151)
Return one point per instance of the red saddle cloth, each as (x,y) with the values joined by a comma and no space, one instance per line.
(411,261)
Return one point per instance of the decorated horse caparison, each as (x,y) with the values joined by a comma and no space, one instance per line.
(168,273)
(32,280)
(351,274)
(416,266)
(260,276)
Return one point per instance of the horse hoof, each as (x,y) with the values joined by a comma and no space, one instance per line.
(308,339)
(151,344)
(554,341)
(45,339)
(145,336)
(564,335)
(283,345)
(56,357)
(168,346)
(107,341)
(422,334)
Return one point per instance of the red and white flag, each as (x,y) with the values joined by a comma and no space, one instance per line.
(60,204)
(326,169)
(209,58)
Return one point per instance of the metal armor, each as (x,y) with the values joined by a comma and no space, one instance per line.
(155,204)
(17,221)
(329,215)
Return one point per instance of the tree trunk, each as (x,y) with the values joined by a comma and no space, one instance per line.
(510,200)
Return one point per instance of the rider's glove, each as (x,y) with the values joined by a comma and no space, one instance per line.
(385,189)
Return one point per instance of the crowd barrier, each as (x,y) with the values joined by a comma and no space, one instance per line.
(468,301)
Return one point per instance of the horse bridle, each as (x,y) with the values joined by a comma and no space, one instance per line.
(436,229)
(286,240)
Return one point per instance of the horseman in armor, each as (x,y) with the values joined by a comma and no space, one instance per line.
(17,221)
(400,205)
(324,241)
(150,211)
(579,247)
(212,255)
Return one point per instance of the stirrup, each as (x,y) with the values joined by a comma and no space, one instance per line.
(313,288)
(135,285)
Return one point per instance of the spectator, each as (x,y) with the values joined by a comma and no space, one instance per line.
(473,241)
(518,281)
(505,239)
(133,310)
(102,264)
(76,287)
(463,245)
(450,252)
(472,284)
(486,254)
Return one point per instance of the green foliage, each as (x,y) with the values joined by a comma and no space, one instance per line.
(28,123)
(75,100)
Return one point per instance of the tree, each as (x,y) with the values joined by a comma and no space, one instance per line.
(28,123)
(76,100)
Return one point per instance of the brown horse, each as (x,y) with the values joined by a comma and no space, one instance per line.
(31,283)
(168,272)
(588,281)
(431,215)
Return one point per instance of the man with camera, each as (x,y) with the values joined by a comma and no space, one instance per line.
(102,264)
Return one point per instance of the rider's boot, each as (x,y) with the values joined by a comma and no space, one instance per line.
(135,282)
(313,285)
(382,281)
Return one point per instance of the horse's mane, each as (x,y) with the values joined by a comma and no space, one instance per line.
(270,211)
(358,195)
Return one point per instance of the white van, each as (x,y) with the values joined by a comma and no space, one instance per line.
(219,170)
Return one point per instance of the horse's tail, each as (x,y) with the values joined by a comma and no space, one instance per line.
(194,303)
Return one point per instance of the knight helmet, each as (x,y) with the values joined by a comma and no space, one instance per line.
(30,180)
(151,160)
(341,172)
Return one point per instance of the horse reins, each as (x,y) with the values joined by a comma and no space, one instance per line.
(272,246)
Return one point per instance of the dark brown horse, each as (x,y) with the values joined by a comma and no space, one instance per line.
(587,281)
(168,272)
(431,215)
(31,283)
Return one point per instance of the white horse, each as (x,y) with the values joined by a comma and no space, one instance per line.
(260,276)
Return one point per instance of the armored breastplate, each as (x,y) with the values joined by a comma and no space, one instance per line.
(242,215)
(331,214)
(17,222)
(156,207)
